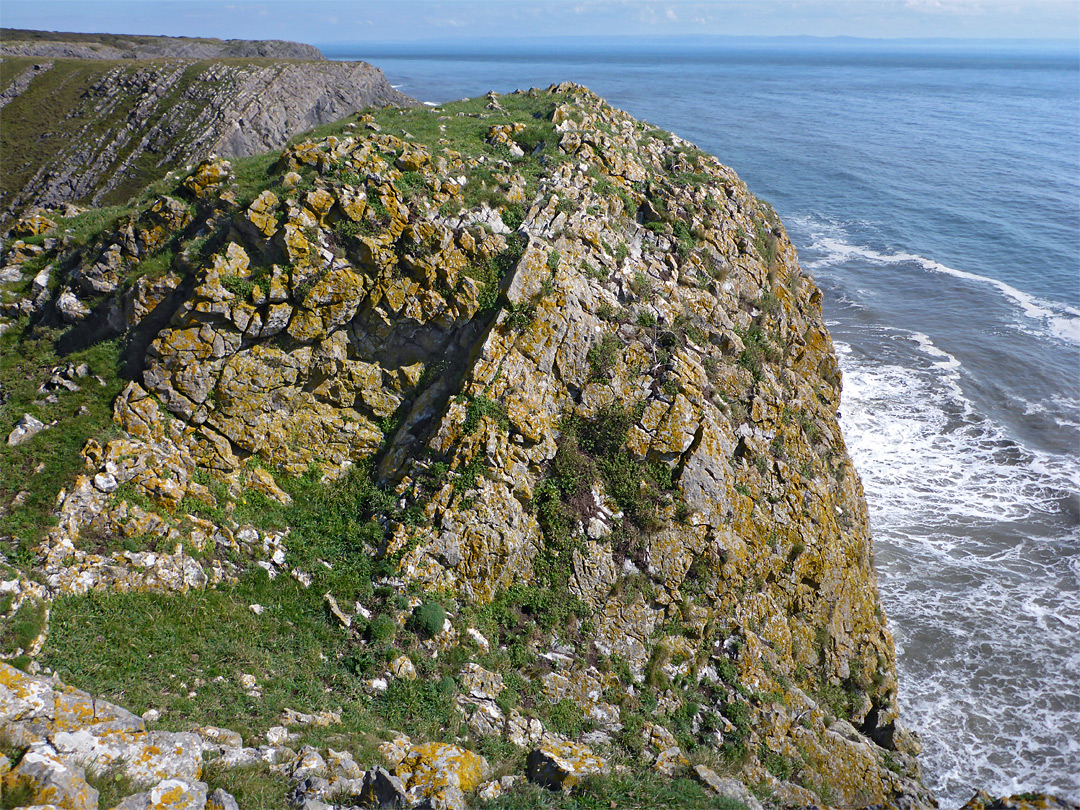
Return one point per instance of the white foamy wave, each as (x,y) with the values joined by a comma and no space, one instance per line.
(1056,319)
(970,569)
(927,455)
(1059,409)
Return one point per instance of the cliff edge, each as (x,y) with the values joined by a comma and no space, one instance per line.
(66,45)
(501,437)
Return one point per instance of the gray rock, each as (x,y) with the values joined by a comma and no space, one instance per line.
(71,309)
(220,800)
(25,428)
(177,794)
(728,788)
(50,776)
(230,108)
(383,790)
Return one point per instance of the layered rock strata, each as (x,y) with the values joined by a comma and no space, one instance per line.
(112,127)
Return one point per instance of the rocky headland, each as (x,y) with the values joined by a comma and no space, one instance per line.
(66,45)
(92,120)
(478,456)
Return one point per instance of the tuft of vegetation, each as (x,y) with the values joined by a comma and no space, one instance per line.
(427,619)
(479,407)
(603,356)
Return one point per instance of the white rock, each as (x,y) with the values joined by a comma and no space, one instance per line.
(70,307)
(106,482)
(277,735)
(256,609)
(376,685)
(478,637)
(302,577)
(25,428)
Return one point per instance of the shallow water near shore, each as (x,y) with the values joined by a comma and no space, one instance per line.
(933,191)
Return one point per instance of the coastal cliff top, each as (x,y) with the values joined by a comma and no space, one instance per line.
(65,45)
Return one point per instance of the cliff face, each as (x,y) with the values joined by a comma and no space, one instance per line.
(578,404)
(97,130)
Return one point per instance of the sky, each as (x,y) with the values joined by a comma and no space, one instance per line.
(381,21)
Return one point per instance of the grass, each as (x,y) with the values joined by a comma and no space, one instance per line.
(254,787)
(49,461)
(22,629)
(640,791)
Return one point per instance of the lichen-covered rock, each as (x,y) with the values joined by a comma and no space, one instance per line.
(728,788)
(170,794)
(209,177)
(606,389)
(51,780)
(32,223)
(440,773)
(562,764)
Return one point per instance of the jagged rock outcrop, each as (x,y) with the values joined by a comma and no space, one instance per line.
(585,369)
(96,131)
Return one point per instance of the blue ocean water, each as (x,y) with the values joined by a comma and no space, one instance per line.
(933,190)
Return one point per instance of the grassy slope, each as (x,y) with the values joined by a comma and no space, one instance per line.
(112,40)
(145,650)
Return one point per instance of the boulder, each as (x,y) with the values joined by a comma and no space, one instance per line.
(439,772)
(561,764)
(383,790)
(25,429)
(171,794)
(728,788)
(51,779)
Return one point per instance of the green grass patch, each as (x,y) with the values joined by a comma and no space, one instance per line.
(49,461)
(626,791)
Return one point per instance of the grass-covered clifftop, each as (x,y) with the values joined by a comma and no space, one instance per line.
(65,44)
(503,430)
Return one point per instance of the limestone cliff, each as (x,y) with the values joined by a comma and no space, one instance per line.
(94,128)
(585,401)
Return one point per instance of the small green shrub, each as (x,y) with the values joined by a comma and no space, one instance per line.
(567,718)
(481,406)
(240,287)
(427,619)
(382,628)
(347,228)
(775,763)
(519,316)
(411,184)
(642,286)
(513,216)
(602,356)
(646,319)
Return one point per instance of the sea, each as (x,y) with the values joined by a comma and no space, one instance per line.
(932,189)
